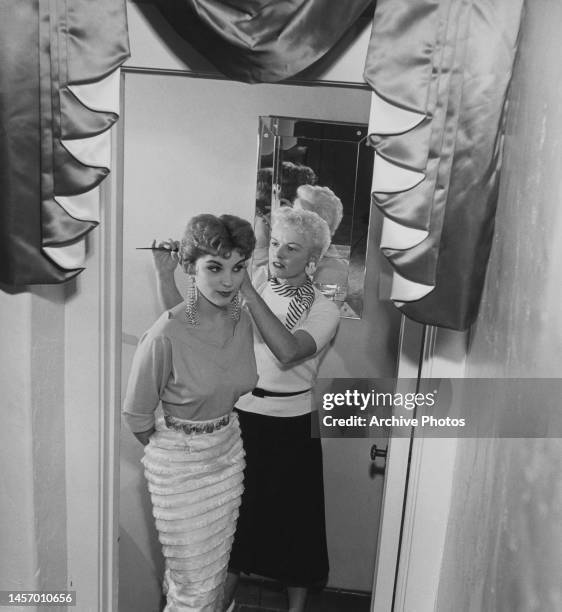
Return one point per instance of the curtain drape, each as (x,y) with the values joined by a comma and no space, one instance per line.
(263,40)
(440,70)
(59,88)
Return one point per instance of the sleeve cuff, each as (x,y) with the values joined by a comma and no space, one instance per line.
(138,423)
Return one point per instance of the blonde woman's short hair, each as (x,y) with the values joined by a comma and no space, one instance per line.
(307,223)
(323,201)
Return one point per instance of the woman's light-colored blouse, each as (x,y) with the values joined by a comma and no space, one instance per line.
(176,363)
(321,323)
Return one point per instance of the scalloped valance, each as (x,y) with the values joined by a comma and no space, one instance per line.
(439,70)
(59,88)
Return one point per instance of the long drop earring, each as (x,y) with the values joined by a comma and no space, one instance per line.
(192,303)
(235,307)
(310,268)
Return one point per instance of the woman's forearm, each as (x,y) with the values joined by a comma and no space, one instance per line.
(168,291)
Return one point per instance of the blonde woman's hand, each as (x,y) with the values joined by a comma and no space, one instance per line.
(166,261)
(262,230)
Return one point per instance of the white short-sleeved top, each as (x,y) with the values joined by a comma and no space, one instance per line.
(321,322)
(193,378)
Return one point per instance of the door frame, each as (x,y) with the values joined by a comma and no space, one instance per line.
(410,349)
(418,484)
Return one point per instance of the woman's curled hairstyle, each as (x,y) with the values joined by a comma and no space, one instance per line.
(207,234)
(308,224)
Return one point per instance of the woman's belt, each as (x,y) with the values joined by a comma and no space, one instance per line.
(258,392)
(196,427)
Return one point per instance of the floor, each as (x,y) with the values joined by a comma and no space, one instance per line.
(254,595)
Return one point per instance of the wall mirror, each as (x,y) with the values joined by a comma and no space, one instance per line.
(295,151)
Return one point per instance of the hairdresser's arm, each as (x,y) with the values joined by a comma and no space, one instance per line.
(287,347)
(165,263)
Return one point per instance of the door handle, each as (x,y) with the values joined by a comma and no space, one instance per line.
(377,452)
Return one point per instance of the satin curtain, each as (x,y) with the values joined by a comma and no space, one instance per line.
(263,40)
(440,70)
(54,127)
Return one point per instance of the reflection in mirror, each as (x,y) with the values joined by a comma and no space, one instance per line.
(326,167)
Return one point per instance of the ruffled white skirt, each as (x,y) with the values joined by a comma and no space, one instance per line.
(195,483)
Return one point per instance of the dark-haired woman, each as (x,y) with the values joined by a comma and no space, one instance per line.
(197,360)
(281,530)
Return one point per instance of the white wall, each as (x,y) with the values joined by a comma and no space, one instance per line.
(33,497)
(17,525)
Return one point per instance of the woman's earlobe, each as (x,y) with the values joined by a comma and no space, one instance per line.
(310,268)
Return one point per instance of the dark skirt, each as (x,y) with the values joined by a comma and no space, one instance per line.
(281,530)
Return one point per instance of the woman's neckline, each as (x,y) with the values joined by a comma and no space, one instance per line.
(202,332)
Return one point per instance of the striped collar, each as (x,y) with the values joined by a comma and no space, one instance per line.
(302,299)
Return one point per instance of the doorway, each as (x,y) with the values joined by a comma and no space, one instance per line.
(189,146)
